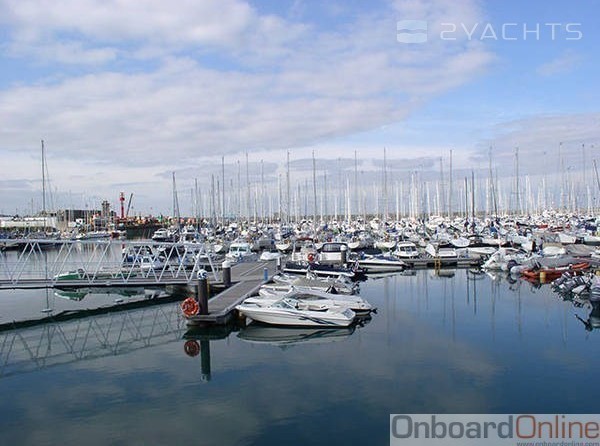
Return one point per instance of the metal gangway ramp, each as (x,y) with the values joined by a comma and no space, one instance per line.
(82,263)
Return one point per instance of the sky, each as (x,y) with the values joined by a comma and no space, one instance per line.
(125,93)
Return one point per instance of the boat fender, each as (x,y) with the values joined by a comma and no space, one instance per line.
(311,257)
(190,307)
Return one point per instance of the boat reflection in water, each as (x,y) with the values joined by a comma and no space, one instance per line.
(288,336)
(593,320)
(79,293)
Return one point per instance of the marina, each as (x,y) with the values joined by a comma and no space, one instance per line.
(243,222)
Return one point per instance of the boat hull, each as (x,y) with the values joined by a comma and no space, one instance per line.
(295,319)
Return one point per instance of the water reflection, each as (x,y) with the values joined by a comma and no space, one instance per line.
(59,343)
(460,344)
(79,293)
(197,342)
(593,320)
(287,337)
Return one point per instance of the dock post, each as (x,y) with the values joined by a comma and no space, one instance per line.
(344,254)
(226,274)
(202,292)
(205,360)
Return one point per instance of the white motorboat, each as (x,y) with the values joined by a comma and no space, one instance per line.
(292,312)
(165,235)
(240,252)
(314,299)
(505,258)
(270,255)
(385,244)
(442,252)
(381,263)
(284,245)
(460,242)
(341,284)
(406,250)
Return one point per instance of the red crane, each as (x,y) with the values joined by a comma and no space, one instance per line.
(122,200)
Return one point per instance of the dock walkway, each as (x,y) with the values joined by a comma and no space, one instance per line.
(247,278)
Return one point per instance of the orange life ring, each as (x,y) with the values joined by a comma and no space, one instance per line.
(191,347)
(311,257)
(190,307)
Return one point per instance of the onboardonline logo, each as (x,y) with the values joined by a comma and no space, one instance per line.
(494,429)
(419,31)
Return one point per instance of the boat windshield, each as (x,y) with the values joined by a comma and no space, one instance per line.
(285,303)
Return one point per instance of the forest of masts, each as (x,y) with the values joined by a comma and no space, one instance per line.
(348,195)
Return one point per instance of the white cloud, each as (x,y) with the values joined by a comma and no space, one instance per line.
(563,63)
(541,138)
(189,21)
(280,85)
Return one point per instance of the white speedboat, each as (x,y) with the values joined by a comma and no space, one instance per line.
(292,312)
(270,255)
(240,252)
(442,252)
(380,264)
(341,284)
(313,299)
(505,258)
(406,250)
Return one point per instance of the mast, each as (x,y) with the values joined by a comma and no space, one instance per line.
(279,197)
(247,189)
(597,177)
(176,213)
(450,188)
(385,193)
(473,195)
(562,176)
(43,181)
(466,199)
(325,189)
(223,189)
(287,179)
(518,197)
(356,184)
(213,213)
(262,191)
(197,201)
(314,175)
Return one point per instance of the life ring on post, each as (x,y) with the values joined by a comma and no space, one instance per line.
(191,347)
(190,307)
(311,257)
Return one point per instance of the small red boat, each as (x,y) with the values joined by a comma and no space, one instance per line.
(547,274)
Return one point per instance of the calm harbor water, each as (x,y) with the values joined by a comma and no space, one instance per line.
(450,343)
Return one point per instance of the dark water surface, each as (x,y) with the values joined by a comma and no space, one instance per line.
(459,343)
